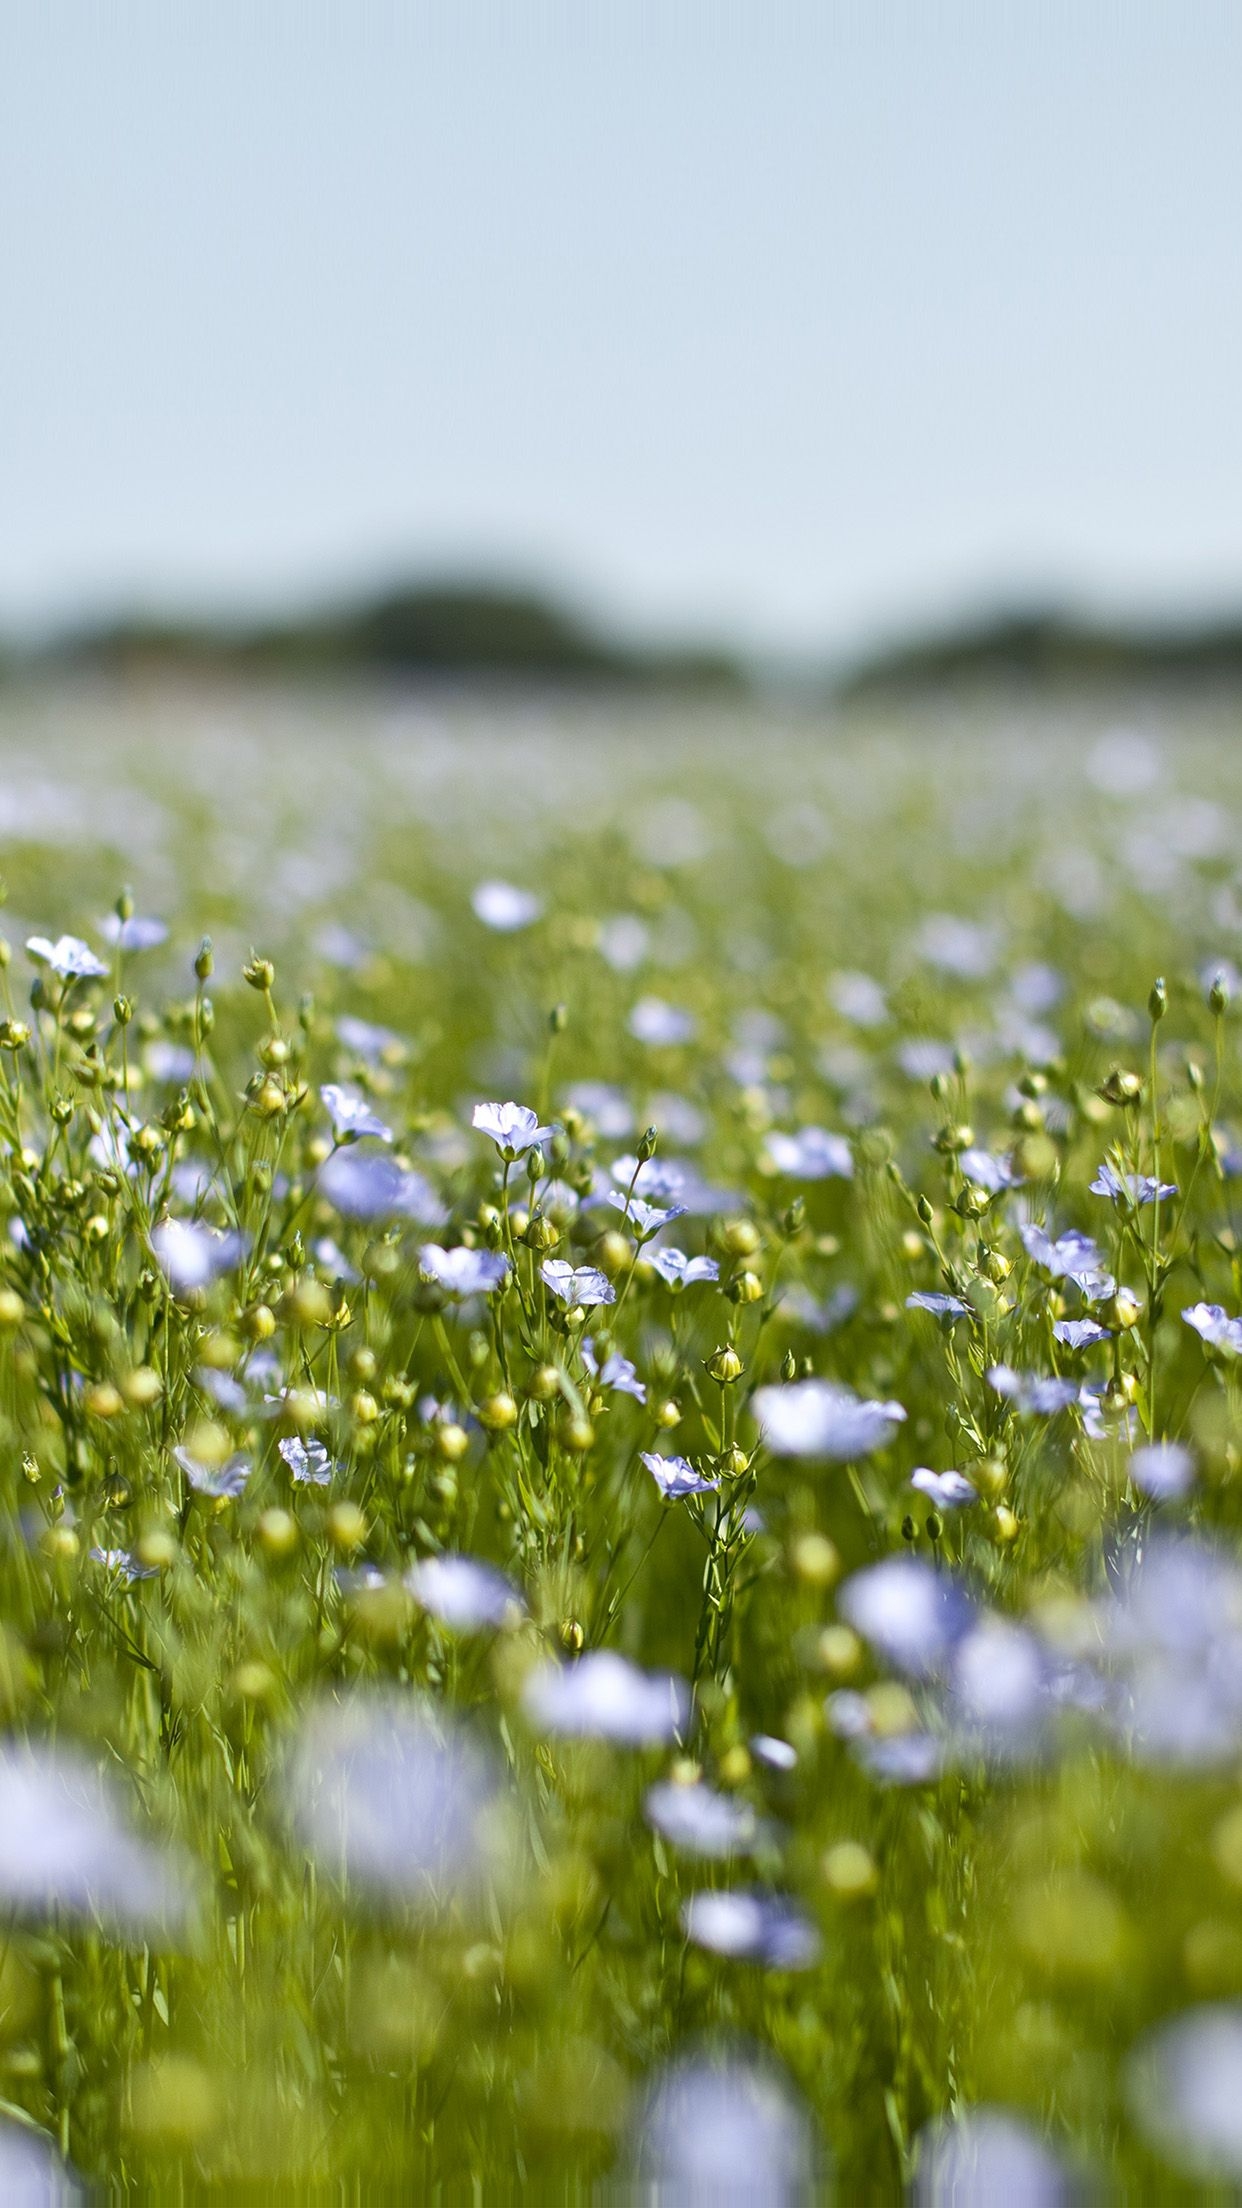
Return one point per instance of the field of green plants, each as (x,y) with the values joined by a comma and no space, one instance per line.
(621,1566)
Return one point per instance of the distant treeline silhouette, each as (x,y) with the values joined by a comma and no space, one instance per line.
(518,635)
(448,631)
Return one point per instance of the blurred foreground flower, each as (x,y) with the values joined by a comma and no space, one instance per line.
(719,2131)
(816,1418)
(67,1849)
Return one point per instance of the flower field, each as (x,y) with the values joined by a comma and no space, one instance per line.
(621,1563)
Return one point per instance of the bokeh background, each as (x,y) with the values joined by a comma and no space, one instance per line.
(790,332)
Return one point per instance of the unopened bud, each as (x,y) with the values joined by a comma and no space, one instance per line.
(205,963)
(647,1145)
(1158,999)
(724,1365)
(260,973)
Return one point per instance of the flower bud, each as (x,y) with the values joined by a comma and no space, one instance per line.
(909,1531)
(1125,1309)
(576,1434)
(497,1413)
(667,1414)
(647,1145)
(1005,1524)
(544,1383)
(745,1288)
(558,1019)
(815,1560)
(122,1010)
(1121,1088)
(260,973)
(278,1532)
(724,1365)
(1158,999)
(347,1527)
(124,906)
(1219,994)
(794,1219)
(451,1442)
(205,963)
(613,1253)
(953,1137)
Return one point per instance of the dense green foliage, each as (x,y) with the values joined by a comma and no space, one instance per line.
(938,949)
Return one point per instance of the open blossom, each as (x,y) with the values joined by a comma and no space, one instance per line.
(988,1171)
(676,1477)
(367,1184)
(464,1593)
(1213,1323)
(390,1793)
(817,1418)
(514,1128)
(1072,1256)
(655,1022)
(909,1611)
(940,1306)
(699,1820)
(1133,1188)
(604,1697)
(1035,1394)
(191,1255)
(616,1372)
(68,956)
(812,1154)
(582,1284)
(308,1461)
(753,1927)
(463,1272)
(504,908)
(138,933)
(726,2131)
(1079,1333)
(648,1218)
(222,1482)
(351,1115)
(677,1270)
(947,1490)
(66,1847)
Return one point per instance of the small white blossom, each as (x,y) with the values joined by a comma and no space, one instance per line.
(816,1418)
(604,1697)
(676,1477)
(463,1272)
(583,1285)
(351,1115)
(68,956)
(514,1128)
(504,908)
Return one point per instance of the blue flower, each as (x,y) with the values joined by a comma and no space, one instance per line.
(464,1272)
(1131,1188)
(351,1115)
(582,1285)
(677,1270)
(676,1477)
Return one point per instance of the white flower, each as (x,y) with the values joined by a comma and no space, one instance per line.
(66,1847)
(227,1481)
(463,1272)
(390,1793)
(948,1490)
(1185,2090)
(464,1593)
(676,1477)
(604,1697)
(816,1418)
(812,1154)
(763,1928)
(514,1128)
(616,1372)
(308,1461)
(655,1022)
(504,908)
(777,1754)
(32,2174)
(582,1285)
(909,1611)
(677,1270)
(365,1184)
(351,1115)
(1215,1326)
(725,2132)
(68,956)
(191,1255)
(648,1218)
(859,998)
(1163,1470)
(983,2157)
(700,1820)
(134,934)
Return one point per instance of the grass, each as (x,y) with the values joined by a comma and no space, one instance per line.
(375,1898)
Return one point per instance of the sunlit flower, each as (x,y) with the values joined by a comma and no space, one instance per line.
(909,1611)
(1079,1333)
(192,1255)
(677,1270)
(648,1218)
(817,1418)
(222,1482)
(753,1927)
(514,1128)
(604,1697)
(504,908)
(1215,1326)
(581,1285)
(812,1154)
(1130,1188)
(68,956)
(393,1796)
(676,1477)
(616,1372)
(464,1272)
(464,1593)
(368,1184)
(308,1461)
(351,1115)
(947,1490)
(701,1821)
(723,2133)
(655,1022)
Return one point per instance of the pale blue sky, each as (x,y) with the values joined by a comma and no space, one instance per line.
(801,322)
